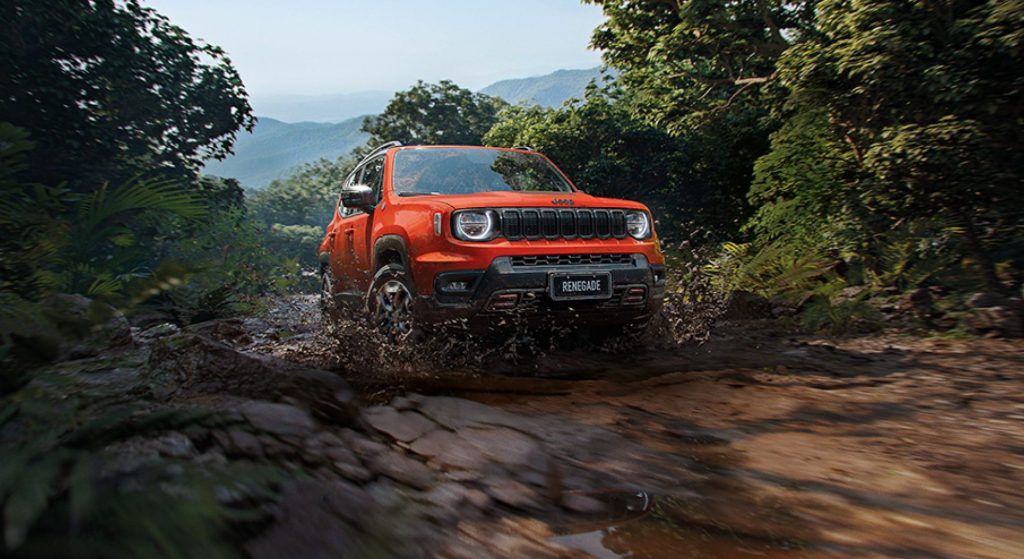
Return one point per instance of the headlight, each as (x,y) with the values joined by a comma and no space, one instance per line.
(638,225)
(475,225)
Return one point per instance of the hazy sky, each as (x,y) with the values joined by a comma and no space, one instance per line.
(316,47)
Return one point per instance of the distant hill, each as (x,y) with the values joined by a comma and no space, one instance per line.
(550,90)
(321,108)
(285,139)
(274,147)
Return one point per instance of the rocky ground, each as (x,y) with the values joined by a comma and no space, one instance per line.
(756,443)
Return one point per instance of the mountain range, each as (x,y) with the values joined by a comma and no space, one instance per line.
(293,130)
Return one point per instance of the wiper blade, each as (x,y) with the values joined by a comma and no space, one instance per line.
(406,194)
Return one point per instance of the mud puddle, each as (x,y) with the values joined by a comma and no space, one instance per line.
(638,525)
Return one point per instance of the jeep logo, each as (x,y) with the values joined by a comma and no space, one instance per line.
(563,201)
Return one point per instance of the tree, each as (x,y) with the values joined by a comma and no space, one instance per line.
(700,180)
(307,196)
(926,95)
(693,61)
(110,89)
(435,114)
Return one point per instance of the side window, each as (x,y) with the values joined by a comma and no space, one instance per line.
(373,176)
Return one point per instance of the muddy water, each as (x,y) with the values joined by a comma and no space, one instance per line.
(795,447)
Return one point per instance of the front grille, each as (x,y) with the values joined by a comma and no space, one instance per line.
(544,223)
(572,260)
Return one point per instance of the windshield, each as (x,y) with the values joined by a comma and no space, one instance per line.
(470,170)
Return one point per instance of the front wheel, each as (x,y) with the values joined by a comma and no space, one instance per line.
(390,303)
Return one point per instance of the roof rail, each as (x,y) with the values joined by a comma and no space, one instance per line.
(380,148)
(524,148)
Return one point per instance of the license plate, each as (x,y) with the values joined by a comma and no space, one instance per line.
(580,286)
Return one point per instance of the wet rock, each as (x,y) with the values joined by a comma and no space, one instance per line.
(402,469)
(401,426)
(188,364)
(478,499)
(279,419)
(449,450)
(456,413)
(318,441)
(507,447)
(354,472)
(340,454)
(583,504)
(315,520)
(512,493)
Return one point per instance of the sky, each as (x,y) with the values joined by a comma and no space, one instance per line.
(324,47)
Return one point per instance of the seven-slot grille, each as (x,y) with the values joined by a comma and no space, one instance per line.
(545,223)
(571,260)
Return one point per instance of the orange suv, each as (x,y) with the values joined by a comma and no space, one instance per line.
(424,234)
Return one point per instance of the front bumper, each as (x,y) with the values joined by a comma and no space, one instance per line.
(638,290)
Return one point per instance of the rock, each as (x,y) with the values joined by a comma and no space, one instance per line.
(157,332)
(449,450)
(340,454)
(478,499)
(512,493)
(1007,322)
(84,327)
(279,419)
(175,445)
(402,469)
(456,413)
(187,364)
(744,305)
(401,426)
(315,520)
(222,329)
(583,504)
(512,449)
(243,443)
(318,441)
(360,444)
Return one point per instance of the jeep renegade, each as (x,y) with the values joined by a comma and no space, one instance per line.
(423,234)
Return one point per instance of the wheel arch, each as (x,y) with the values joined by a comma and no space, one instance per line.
(391,249)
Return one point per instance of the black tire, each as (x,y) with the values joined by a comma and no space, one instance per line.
(330,313)
(389,304)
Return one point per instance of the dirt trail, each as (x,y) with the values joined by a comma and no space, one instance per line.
(761,442)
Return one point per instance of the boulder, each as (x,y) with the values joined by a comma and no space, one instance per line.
(188,364)
(85,327)
(279,419)
(402,426)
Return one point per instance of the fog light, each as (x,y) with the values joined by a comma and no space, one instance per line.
(503,301)
(458,286)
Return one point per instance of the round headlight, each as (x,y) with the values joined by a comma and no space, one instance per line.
(476,225)
(638,225)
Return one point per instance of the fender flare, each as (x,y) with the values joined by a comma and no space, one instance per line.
(392,242)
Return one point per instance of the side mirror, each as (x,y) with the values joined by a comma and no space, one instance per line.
(357,196)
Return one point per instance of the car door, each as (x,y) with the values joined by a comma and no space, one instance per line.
(360,236)
(352,252)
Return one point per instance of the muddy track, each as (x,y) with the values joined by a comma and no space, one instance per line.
(757,442)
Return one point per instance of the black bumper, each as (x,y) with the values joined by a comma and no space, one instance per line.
(638,290)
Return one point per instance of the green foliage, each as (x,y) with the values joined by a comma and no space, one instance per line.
(53,239)
(64,493)
(307,196)
(434,114)
(692,62)
(110,90)
(925,94)
(701,178)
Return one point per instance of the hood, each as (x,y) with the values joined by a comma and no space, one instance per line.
(512,199)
